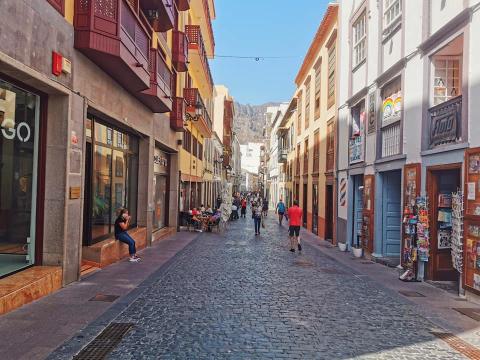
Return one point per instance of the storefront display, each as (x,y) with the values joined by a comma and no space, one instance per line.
(457,231)
(19,121)
(368,212)
(113,164)
(471,251)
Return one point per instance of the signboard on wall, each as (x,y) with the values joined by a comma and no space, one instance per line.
(160,162)
(372,114)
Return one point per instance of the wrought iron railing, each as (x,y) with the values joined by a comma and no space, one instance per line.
(445,122)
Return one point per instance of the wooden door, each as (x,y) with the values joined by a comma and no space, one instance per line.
(329,212)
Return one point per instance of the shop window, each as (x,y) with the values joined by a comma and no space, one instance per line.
(359,40)
(114,167)
(59,5)
(19,112)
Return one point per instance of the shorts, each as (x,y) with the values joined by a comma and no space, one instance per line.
(281,213)
(294,230)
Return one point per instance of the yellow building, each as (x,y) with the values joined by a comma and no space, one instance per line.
(195,94)
(314,180)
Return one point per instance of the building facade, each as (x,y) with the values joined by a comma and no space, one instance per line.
(407,135)
(91,119)
(314,166)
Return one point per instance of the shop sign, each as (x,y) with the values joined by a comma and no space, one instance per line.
(20,131)
(160,162)
(372,114)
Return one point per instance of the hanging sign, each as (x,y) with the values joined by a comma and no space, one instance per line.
(372,114)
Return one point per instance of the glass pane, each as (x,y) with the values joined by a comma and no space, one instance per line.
(118,183)
(18,114)
(160,197)
(102,177)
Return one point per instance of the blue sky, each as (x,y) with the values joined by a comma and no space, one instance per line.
(263,28)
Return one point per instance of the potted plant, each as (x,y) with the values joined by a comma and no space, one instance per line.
(342,246)
(357,248)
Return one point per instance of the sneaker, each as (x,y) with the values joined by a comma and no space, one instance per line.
(134,259)
(292,250)
(299,247)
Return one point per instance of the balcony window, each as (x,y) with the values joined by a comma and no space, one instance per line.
(357,134)
(445,117)
(391,116)
(316,152)
(299,119)
(359,39)
(392,12)
(330,145)
(305,158)
(307,105)
(318,86)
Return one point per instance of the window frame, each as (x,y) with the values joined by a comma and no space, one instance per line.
(386,9)
(447,58)
(358,41)
(331,74)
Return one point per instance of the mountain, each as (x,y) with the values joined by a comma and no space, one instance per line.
(249,121)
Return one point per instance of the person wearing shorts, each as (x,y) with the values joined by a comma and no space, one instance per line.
(295,220)
(280,210)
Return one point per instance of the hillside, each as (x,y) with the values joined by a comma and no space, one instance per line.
(249,121)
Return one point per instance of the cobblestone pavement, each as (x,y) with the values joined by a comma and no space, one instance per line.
(237,296)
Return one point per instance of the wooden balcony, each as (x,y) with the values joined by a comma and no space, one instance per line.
(177,115)
(198,54)
(159,12)
(445,122)
(193,101)
(111,34)
(179,51)
(183,5)
(282,156)
(158,96)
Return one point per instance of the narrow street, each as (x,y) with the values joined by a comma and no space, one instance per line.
(239,296)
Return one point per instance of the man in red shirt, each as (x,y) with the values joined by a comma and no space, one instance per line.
(295,220)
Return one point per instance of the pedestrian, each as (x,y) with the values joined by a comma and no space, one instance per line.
(122,224)
(265,207)
(257,215)
(218,202)
(295,216)
(280,210)
(244,208)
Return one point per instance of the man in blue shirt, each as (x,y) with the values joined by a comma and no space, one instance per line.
(280,210)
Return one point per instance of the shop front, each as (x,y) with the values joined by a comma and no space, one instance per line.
(111,173)
(161,186)
(19,153)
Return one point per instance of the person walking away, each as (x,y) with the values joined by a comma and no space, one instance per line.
(257,214)
(244,208)
(265,207)
(280,210)
(295,216)
(122,223)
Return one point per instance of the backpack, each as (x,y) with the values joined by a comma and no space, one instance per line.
(281,207)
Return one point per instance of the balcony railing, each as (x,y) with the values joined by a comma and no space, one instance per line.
(282,155)
(445,120)
(356,149)
(195,42)
(177,115)
(112,35)
(160,13)
(391,140)
(179,51)
(183,5)
(158,96)
(194,100)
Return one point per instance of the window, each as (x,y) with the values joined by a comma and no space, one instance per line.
(331,75)
(392,12)
(318,85)
(200,151)
(359,39)
(124,182)
(59,5)
(316,152)
(356,133)
(392,102)
(305,158)
(447,79)
(187,140)
(299,119)
(297,170)
(307,105)
(195,147)
(330,145)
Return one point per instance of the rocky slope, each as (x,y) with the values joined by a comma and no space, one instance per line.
(249,121)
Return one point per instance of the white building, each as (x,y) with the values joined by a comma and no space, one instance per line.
(408,94)
(250,157)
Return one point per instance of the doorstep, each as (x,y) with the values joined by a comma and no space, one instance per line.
(28,285)
(110,251)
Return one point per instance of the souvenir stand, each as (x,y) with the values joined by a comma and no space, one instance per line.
(471,251)
(415,232)
(368,212)
(457,231)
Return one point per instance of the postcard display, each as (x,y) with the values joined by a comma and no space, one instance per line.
(457,231)
(368,212)
(471,251)
(416,232)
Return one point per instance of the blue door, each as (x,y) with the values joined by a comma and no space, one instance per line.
(391,199)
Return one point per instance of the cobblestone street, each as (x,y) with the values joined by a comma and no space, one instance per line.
(239,296)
